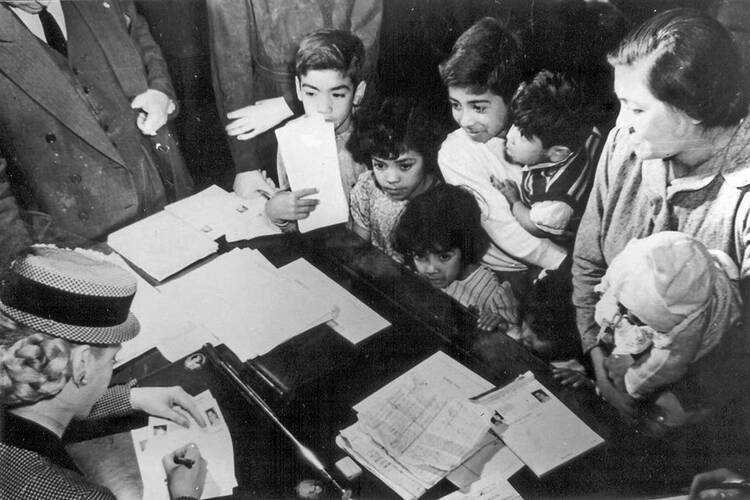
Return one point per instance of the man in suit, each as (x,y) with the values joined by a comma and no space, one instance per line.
(82,121)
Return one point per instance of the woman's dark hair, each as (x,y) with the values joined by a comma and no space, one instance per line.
(387,127)
(550,313)
(441,219)
(694,65)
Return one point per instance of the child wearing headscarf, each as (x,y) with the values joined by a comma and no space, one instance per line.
(667,302)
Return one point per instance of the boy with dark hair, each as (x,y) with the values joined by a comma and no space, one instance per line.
(554,137)
(481,74)
(328,68)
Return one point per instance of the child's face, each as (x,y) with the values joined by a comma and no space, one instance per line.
(329,93)
(523,150)
(440,269)
(531,341)
(402,178)
(482,116)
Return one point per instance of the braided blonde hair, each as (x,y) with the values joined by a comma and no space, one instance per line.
(33,365)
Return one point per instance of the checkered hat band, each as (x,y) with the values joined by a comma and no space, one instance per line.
(110,335)
(61,306)
(30,269)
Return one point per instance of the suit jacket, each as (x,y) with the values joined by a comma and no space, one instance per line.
(61,164)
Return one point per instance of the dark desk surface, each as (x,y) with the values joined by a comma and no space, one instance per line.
(324,376)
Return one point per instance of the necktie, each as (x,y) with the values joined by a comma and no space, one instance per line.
(53,33)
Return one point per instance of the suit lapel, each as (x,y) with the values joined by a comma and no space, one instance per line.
(25,61)
(108,28)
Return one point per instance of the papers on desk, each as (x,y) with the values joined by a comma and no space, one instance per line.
(537,426)
(307,146)
(414,431)
(185,231)
(161,245)
(243,300)
(163,325)
(161,437)
(217,213)
(352,319)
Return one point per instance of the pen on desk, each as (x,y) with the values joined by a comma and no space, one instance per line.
(187,462)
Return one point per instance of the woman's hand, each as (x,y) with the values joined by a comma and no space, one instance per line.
(171,403)
(704,484)
(572,378)
(617,366)
(621,400)
(186,472)
(291,205)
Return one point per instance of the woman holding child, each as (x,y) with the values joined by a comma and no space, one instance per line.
(676,161)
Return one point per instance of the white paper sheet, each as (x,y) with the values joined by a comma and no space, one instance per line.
(441,373)
(161,437)
(537,426)
(491,459)
(163,324)
(308,148)
(217,213)
(161,244)
(353,320)
(246,305)
(492,488)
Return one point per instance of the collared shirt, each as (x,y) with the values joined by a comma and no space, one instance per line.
(464,162)
(32,21)
(556,192)
(632,198)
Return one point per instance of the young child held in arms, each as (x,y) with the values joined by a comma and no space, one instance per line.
(553,136)
(328,68)
(481,74)
(398,139)
(670,314)
(441,237)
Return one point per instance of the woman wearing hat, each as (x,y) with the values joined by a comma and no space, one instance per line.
(63,317)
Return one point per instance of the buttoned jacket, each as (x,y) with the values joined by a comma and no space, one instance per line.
(61,164)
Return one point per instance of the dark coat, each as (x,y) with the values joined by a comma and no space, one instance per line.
(62,165)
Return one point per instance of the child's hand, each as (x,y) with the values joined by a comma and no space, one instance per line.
(292,205)
(572,378)
(490,321)
(508,188)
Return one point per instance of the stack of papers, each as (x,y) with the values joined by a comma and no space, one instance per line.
(418,428)
(307,146)
(161,437)
(163,324)
(185,231)
(537,426)
(246,302)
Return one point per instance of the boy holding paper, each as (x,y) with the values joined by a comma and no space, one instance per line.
(328,68)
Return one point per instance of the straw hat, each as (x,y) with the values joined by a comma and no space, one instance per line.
(69,295)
